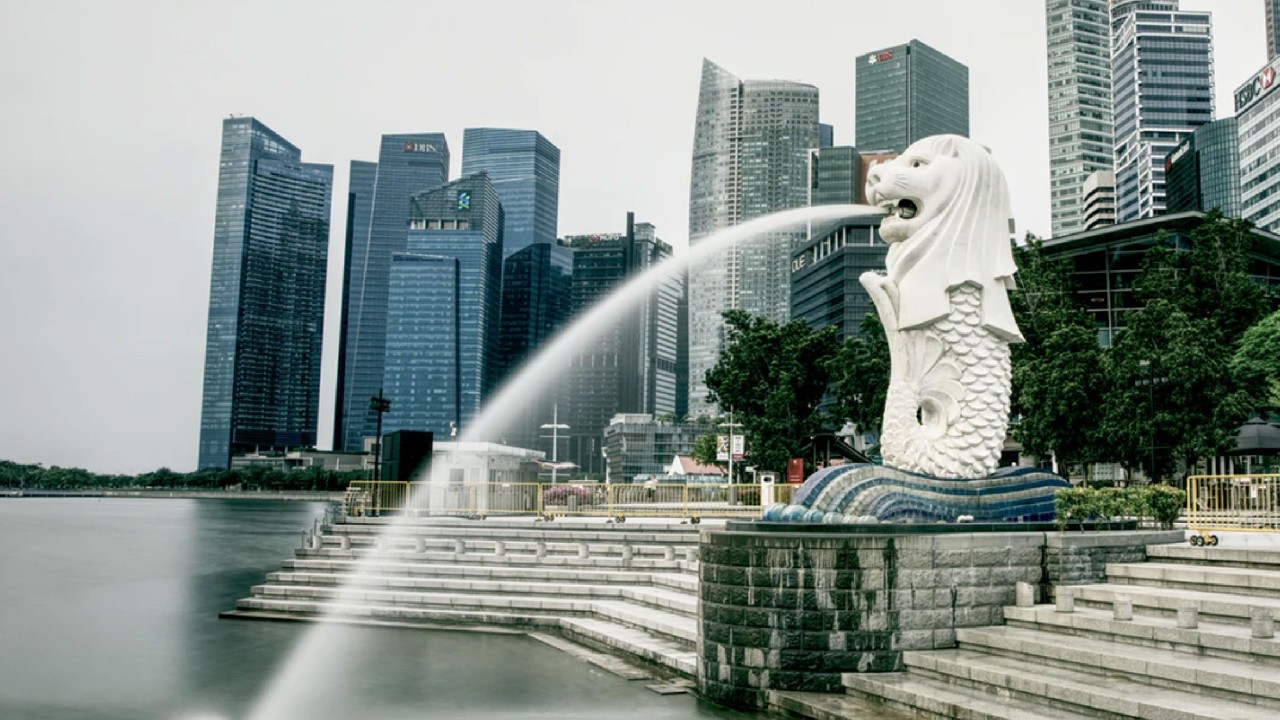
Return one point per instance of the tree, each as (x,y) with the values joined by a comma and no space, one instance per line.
(860,376)
(1058,375)
(704,448)
(1172,398)
(1256,362)
(772,377)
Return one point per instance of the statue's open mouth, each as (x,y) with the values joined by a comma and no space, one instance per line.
(904,208)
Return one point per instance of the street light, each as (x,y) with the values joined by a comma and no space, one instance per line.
(378,404)
(1151,416)
(555,426)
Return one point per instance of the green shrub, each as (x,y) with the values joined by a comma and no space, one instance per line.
(1106,504)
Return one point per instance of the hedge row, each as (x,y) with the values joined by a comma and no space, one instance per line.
(1159,502)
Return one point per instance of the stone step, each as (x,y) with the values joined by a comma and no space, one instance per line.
(1260,559)
(829,706)
(511,558)
(649,609)
(1210,639)
(1207,578)
(562,524)
(527,571)
(665,598)
(1217,607)
(675,655)
(1231,679)
(1074,689)
(404,543)
(527,531)
(936,698)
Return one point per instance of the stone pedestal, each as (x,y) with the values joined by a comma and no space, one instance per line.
(791,607)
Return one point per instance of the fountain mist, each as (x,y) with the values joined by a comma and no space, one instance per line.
(318,658)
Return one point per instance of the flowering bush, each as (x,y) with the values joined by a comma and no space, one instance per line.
(560,495)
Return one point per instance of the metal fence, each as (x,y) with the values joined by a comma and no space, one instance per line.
(1238,503)
(616,502)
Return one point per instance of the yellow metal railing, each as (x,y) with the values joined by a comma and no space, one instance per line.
(614,501)
(1239,503)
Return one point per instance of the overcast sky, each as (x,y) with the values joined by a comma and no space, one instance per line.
(111,121)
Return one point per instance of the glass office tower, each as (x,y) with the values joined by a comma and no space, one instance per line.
(1257,106)
(266,297)
(442,308)
(1080,132)
(1203,172)
(750,158)
(907,92)
(1162,90)
(524,167)
(407,164)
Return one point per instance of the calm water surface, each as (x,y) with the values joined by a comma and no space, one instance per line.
(108,610)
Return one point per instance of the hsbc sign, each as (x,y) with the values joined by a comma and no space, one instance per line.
(1254,90)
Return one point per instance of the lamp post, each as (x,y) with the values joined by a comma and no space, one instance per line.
(555,426)
(379,405)
(731,425)
(1151,416)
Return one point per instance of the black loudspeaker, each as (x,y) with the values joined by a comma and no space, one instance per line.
(404,452)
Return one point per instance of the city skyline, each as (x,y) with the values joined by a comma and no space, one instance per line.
(104,272)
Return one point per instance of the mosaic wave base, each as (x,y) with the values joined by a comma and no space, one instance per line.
(864,493)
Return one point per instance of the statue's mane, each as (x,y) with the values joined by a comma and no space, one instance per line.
(967,243)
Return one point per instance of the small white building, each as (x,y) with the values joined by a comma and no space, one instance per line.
(685,469)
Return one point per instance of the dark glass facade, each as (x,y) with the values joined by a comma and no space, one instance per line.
(835,176)
(525,170)
(908,92)
(1203,172)
(1107,261)
(407,164)
(537,287)
(361,178)
(632,367)
(443,306)
(825,291)
(266,298)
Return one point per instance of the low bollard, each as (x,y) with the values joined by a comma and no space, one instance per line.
(627,553)
(419,544)
(1122,608)
(1024,594)
(669,553)
(582,551)
(1263,623)
(691,554)
(1188,617)
(459,547)
(499,548)
(344,542)
(1064,600)
(540,550)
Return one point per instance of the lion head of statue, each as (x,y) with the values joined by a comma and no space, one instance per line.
(948,224)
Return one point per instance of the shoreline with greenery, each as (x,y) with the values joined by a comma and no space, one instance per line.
(247,481)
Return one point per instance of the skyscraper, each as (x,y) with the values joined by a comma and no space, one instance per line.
(442,308)
(1162,89)
(750,158)
(407,164)
(537,293)
(1272,12)
(361,178)
(834,175)
(907,92)
(525,170)
(1099,199)
(1203,172)
(1080,131)
(632,366)
(266,297)
(1257,106)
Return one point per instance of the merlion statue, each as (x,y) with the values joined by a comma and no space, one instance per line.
(945,307)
